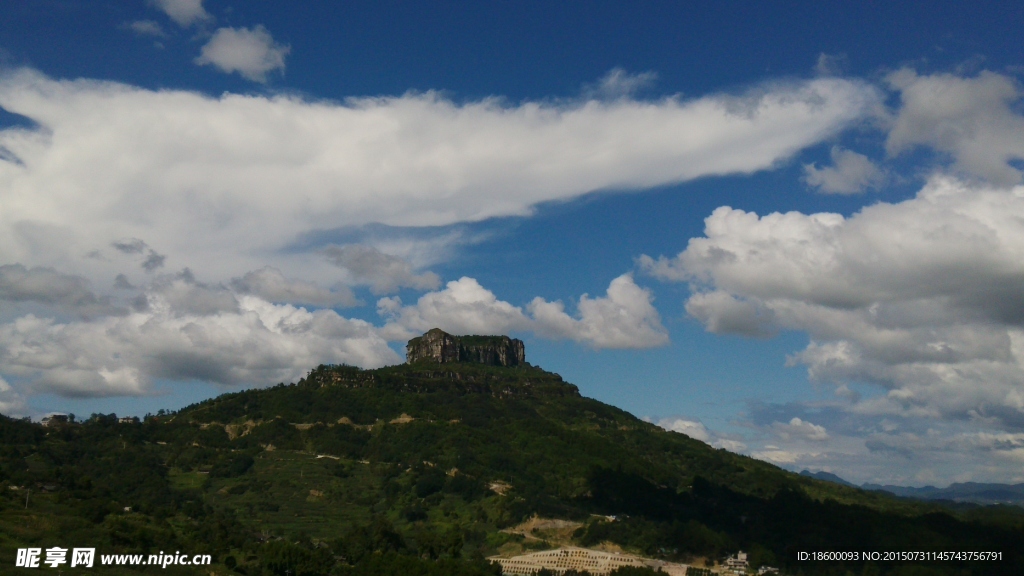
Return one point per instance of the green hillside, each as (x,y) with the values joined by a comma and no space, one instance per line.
(416,469)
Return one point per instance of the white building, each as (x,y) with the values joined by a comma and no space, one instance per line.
(572,558)
(737,564)
(54,420)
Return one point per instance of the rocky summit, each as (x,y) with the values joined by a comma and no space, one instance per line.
(439,346)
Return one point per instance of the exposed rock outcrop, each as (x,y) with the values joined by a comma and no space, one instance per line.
(439,346)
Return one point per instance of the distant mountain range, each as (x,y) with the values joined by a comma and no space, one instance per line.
(973,492)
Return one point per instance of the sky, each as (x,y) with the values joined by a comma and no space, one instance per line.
(791,231)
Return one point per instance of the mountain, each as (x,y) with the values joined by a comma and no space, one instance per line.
(827,477)
(973,492)
(961,492)
(425,468)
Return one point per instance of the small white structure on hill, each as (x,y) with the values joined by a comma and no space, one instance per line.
(55,420)
(737,564)
(572,558)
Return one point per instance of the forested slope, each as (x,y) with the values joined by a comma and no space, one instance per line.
(419,467)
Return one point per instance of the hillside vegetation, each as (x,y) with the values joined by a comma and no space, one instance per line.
(417,469)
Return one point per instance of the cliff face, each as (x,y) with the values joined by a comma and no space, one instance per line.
(439,346)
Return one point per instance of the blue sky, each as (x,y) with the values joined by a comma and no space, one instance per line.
(791,231)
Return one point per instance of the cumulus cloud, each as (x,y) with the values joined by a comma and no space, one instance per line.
(463,307)
(691,428)
(11,402)
(933,446)
(153,261)
(781,456)
(830,64)
(202,177)
(188,331)
(183,12)
(251,53)
(132,246)
(182,295)
(383,272)
(1005,445)
(974,120)
(723,313)
(731,445)
(146,28)
(850,173)
(121,282)
(922,297)
(619,83)
(65,292)
(696,430)
(624,318)
(797,428)
(179,329)
(271,285)
(905,444)
(864,447)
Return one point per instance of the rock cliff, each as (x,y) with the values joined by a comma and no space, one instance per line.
(439,346)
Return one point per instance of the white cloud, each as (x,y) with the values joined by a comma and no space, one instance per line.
(619,83)
(183,12)
(922,297)
(463,307)
(778,456)
(151,260)
(939,450)
(46,286)
(271,285)
(989,441)
(830,64)
(851,173)
(251,53)
(884,450)
(723,313)
(11,402)
(146,28)
(730,445)
(691,428)
(696,430)
(972,119)
(798,429)
(178,329)
(790,456)
(181,295)
(624,318)
(187,332)
(383,272)
(202,178)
